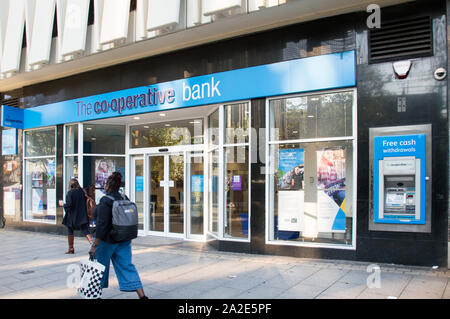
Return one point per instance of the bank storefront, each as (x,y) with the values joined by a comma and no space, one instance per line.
(287,142)
(185,150)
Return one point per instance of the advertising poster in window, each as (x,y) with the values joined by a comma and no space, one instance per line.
(331,189)
(37,201)
(51,168)
(291,168)
(197,183)
(103,168)
(291,196)
(9,203)
(51,202)
(9,145)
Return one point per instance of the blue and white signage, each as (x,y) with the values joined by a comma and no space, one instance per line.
(301,75)
(9,142)
(399,179)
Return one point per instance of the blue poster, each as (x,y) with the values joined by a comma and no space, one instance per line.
(9,145)
(291,169)
(139,186)
(197,183)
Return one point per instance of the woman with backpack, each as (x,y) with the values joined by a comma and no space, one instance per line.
(76,217)
(105,248)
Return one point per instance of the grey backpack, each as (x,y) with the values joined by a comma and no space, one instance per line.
(124,219)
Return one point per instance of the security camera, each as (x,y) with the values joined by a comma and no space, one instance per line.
(440,74)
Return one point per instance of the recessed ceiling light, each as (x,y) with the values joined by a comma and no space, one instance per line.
(136,118)
(89,128)
(166,124)
(146,126)
(162,114)
(93,138)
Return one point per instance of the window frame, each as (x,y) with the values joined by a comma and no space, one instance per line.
(220,147)
(24,161)
(269,214)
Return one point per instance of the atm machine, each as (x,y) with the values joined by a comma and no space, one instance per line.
(398,184)
(400,178)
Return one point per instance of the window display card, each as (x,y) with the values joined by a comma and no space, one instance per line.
(290,210)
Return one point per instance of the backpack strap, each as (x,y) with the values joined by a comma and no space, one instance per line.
(110,197)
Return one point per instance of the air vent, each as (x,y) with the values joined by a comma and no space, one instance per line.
(401,39)
(12,98)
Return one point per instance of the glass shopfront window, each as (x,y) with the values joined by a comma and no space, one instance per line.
(311,179)
(236,192)
(229,178)
(40,176)
(183,132)
(96,170)
(91,162)
(213,191)
(103,139)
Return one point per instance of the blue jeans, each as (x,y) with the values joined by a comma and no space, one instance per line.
(120,255)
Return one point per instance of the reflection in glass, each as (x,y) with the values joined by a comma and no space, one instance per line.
(96,170)
(319,208)
(213,191)
(40,190)
(182,132)
(71,169)
(139,189)
(213,128)
(156,193)
(103,139)
(236,123)
(72,139)
(196,193)
(314,116)
(176,193)
(40,142)
(236,192)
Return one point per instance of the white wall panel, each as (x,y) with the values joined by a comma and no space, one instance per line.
(210,7)
(13,38)
(75,27)
(141,19)
(194,14)
(41,35)
(162,14)
(114,24)
(4,5)
(96,27)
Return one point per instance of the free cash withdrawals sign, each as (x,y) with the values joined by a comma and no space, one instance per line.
(400,146)
(323,72)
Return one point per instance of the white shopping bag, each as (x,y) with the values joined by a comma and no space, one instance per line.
(91,275)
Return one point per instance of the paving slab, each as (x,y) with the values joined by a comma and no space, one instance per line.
(34,265)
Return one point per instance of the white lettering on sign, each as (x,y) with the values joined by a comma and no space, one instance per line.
(201,91)
(410,142)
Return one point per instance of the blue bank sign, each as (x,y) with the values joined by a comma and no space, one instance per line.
(302,75)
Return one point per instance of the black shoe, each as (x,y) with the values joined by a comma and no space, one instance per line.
(145,297)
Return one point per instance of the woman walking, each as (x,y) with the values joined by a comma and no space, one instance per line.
(76,214)
(105,249)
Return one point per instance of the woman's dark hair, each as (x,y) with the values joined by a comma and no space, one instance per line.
(113,182)
(73,184)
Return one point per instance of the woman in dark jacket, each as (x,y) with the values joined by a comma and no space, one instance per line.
(105,249)
(76,214)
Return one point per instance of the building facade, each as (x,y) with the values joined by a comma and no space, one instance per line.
(320,137)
